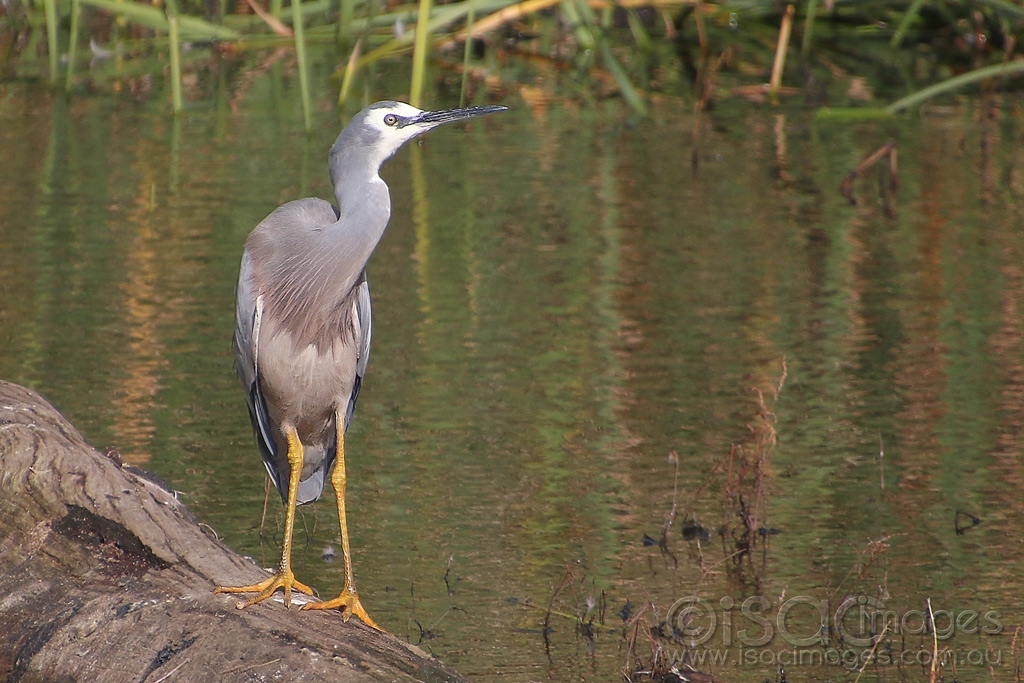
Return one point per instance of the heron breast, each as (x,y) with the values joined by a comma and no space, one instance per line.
(306,385)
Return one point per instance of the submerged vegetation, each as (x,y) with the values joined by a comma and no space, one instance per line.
(876,55)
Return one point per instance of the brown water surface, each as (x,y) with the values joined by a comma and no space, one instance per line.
(561,303)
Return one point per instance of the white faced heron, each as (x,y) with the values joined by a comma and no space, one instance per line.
(302,326)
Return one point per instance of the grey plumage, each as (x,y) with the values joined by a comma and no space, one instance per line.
(311,353)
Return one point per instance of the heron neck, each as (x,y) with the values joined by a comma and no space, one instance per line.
(364,205)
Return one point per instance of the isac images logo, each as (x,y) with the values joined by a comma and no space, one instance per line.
(806,630)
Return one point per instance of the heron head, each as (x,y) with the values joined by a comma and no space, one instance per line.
(382,128)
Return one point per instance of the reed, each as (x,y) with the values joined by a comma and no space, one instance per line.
(148,16)
(419,53)
(76,12)
(175,50)
(812,11)
(467,52)
(53,51)
(971,77)
(609,44)
(346,14)
(350,72)
(905,22)
(589,33)
(300,55)
(780,51)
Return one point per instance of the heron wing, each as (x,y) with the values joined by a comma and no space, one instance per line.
(248,319)
(363,330)
(299,264)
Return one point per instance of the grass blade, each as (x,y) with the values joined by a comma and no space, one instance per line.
(995,71)
(154,18)
(175,49)
(50,8)
(467,52)
(350,73)
(76,11)
(908,18)
(812,11)
(419,54)
(300,54)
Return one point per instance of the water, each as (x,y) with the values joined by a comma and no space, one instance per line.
(562,302)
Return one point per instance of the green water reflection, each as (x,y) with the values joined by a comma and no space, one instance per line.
(560,302)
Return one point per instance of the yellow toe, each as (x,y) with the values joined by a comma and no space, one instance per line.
(349,602)
(264,589)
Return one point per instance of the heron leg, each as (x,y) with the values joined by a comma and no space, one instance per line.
(283,578)
(349,598)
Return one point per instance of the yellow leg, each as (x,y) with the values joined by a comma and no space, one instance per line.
(349,598)
(283,577)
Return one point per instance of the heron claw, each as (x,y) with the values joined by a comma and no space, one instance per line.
(281,579)
(349,602)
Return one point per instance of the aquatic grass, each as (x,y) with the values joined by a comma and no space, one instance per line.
(419,53)
(467,52)
(346,13)
(948,86)
(350,73)
(591,36)
(906,20)
(175,50)
(76,13)
(443,15)
(50,11)
(812,11)
(151,17)
(608,41)
(300,56)
(957,82)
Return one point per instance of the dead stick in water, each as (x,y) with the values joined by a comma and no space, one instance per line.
(780,51)
(886,150)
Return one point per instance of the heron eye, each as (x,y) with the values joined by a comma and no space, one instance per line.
(390,120)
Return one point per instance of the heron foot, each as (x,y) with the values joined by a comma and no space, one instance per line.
(349,602)
(283,579)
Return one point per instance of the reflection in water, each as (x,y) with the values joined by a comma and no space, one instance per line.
(560,304)
(143,364)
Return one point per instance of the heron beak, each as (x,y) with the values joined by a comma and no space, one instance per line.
(436,118)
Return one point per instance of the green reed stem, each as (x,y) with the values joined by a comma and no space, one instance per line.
(994,71)
(350,72)
(175,48)
(346,15)
(467,52)
(812,11)
(76,11)
(50,9)
(176,98)
(589,33)
(419,53)
(300,54)
(908,18)
(155,18)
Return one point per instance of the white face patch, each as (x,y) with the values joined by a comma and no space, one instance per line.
(391,118)
(392,125)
